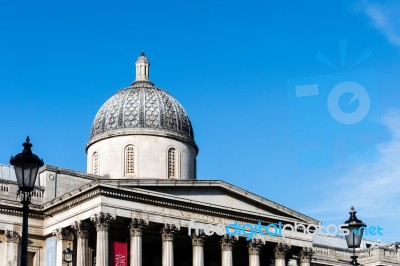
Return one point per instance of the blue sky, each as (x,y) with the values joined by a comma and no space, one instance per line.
(235,67)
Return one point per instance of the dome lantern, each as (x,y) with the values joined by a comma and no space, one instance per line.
(142,68)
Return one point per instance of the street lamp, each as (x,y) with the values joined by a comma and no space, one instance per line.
(356,230)
(68,255)
(26,166)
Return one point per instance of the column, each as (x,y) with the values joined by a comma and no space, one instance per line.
(168,233)
(254,247)
(102,222)
(62,235)
(11,247)
(198,248)
(305,256)
(82,232)
(136,228)
(280,252)
(226,250)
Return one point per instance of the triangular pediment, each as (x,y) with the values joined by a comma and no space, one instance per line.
(221,195)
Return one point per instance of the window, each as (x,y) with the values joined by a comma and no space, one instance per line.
(95,163)
(130,160)
(171,163)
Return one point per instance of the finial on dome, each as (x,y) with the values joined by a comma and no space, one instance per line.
(142,68)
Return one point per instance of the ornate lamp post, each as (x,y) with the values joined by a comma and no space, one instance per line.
(26,166)
(353,239)
(68,256)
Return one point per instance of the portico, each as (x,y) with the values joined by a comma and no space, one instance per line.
(158,228)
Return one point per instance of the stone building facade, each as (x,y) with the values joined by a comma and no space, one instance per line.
(140,202)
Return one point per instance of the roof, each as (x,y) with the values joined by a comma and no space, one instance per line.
(139,109)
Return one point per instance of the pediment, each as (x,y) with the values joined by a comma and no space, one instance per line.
(219,194)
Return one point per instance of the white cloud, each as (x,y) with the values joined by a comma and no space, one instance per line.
(373,188)
(385,16)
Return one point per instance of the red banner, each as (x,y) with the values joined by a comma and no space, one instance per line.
(120,254)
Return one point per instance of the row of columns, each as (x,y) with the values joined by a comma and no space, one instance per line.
(102,223)
(254,247)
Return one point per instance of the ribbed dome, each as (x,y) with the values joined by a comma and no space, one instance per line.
(142,108)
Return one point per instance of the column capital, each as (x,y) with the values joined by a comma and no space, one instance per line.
(12,236)
(168,232)
(136,226)
(63,234)
(255,246)
(306,255)
(81,228)
(198,240)
(227,242)
(102,221)
(281,250)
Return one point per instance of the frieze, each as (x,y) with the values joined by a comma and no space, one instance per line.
(188,215)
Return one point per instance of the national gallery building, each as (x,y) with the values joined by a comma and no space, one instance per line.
(141,204)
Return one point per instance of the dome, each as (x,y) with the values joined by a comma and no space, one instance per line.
(142,109)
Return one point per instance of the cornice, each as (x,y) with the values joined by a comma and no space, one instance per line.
(143,131)
(15,208)
(69,172)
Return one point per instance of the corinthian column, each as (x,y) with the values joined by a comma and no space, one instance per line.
(168,233)
(82,232)
(254,247)
(226,250)
(102,222)
(198,248)
(136,228)
(11,247)
(62,235)
(305,256)
(280,252)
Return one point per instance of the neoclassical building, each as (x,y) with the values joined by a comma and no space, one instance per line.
(140,202)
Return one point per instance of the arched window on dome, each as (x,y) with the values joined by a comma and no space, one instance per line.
(129,160)
(95,163)
(172,163)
